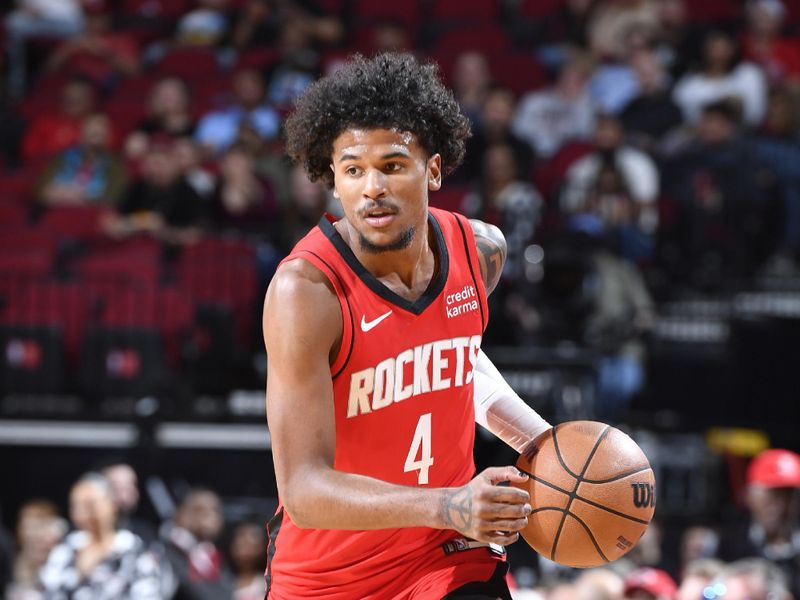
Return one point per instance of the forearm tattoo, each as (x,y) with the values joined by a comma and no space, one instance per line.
(457,509)
(491,252)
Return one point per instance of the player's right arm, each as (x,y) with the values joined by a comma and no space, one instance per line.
(302,331)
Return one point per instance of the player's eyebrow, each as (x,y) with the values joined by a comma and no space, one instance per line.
(394,155)
(344,157)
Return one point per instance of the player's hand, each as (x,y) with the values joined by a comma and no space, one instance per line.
(485,511)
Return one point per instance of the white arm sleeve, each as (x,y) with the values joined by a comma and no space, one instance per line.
(499,409)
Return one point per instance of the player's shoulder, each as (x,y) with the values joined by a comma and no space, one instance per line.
(299,281)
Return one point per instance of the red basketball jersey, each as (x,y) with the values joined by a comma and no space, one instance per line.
(403,390)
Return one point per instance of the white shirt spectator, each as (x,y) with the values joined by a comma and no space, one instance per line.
(546,120)
(641,177)
(745,82)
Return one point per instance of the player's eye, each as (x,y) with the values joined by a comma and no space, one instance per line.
(393,166)
(353,171)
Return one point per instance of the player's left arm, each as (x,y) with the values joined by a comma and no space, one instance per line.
(498,408)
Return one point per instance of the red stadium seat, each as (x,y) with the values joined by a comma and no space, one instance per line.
(520,72)
(462,10)
(75,222)
(714,10)
(405,11)
(257,58)
(154,9)
(539,8)
(13,216)
(191,63)
(486,38)
(449,198)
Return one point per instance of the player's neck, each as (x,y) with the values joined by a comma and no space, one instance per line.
(412,267)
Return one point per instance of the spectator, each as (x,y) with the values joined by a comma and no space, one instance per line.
(696,577)
(260,23)
(125,490)
(678,38)
(650,584)
(196,562)
(471,81)
(749,579)
(188,154)
(614,83)
(698,543)
(99,53)
(87,173)
(619,172)
(248,558)
(6,560)
(649,116)
(50,133)
(36,18)
(168,117)
(764,44)
(218,130)
(778,145)
(773,502)
(613,20)
(548,119)
(505,199)
(599,584)
(717,186)
(308,202)
(243,201)
(39,529)
(495,128)
(160,202)
(205,25)
(722,77)
(95,561)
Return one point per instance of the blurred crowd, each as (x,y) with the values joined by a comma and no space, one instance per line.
(107,549)
(632,151)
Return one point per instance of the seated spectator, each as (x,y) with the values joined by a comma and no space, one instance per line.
(125,490)
(205,25)
(260,22)
(749,579)
(197,564)
(96,561)
(471,81)
(39,528)
(652,113)
(168,116)
(598,584)
(50,133)
(721,229)
(160,202)
(243,201)
(549,118)
(32,19)
(99,53)
(625,176)
(698,543)
(298,64)
(678,37)
(248,559)
(696,577)
(778,145)
(765,45)
(773,530)
(218,130)
(308,202)
(649,584)
(87,173)
(505,199)
(188,155)
(722,77)
(611,21)
(494,128)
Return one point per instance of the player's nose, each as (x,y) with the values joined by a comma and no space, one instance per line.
(375,184)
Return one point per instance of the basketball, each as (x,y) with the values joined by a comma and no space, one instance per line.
(592,492)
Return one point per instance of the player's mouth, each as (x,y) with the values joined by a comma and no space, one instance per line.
(380,217)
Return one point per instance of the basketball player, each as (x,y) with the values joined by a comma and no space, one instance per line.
(373,327)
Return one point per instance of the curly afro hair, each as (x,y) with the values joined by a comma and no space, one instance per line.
(389,91)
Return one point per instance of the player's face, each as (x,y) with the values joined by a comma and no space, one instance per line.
(382,177)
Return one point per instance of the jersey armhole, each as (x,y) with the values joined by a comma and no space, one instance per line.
(471,251)
(348,325)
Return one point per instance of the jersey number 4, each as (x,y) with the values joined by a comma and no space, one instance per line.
(420,445)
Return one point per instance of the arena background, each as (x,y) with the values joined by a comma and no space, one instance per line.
(642,157)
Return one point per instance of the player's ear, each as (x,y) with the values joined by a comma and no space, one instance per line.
(434,172)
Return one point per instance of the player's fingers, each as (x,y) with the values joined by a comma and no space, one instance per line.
(505,511)
(508,495)
(497,474)
(505,524)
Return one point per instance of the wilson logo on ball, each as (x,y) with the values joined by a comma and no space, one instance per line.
(644,495)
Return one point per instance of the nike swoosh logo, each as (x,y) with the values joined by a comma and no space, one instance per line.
(367,325)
